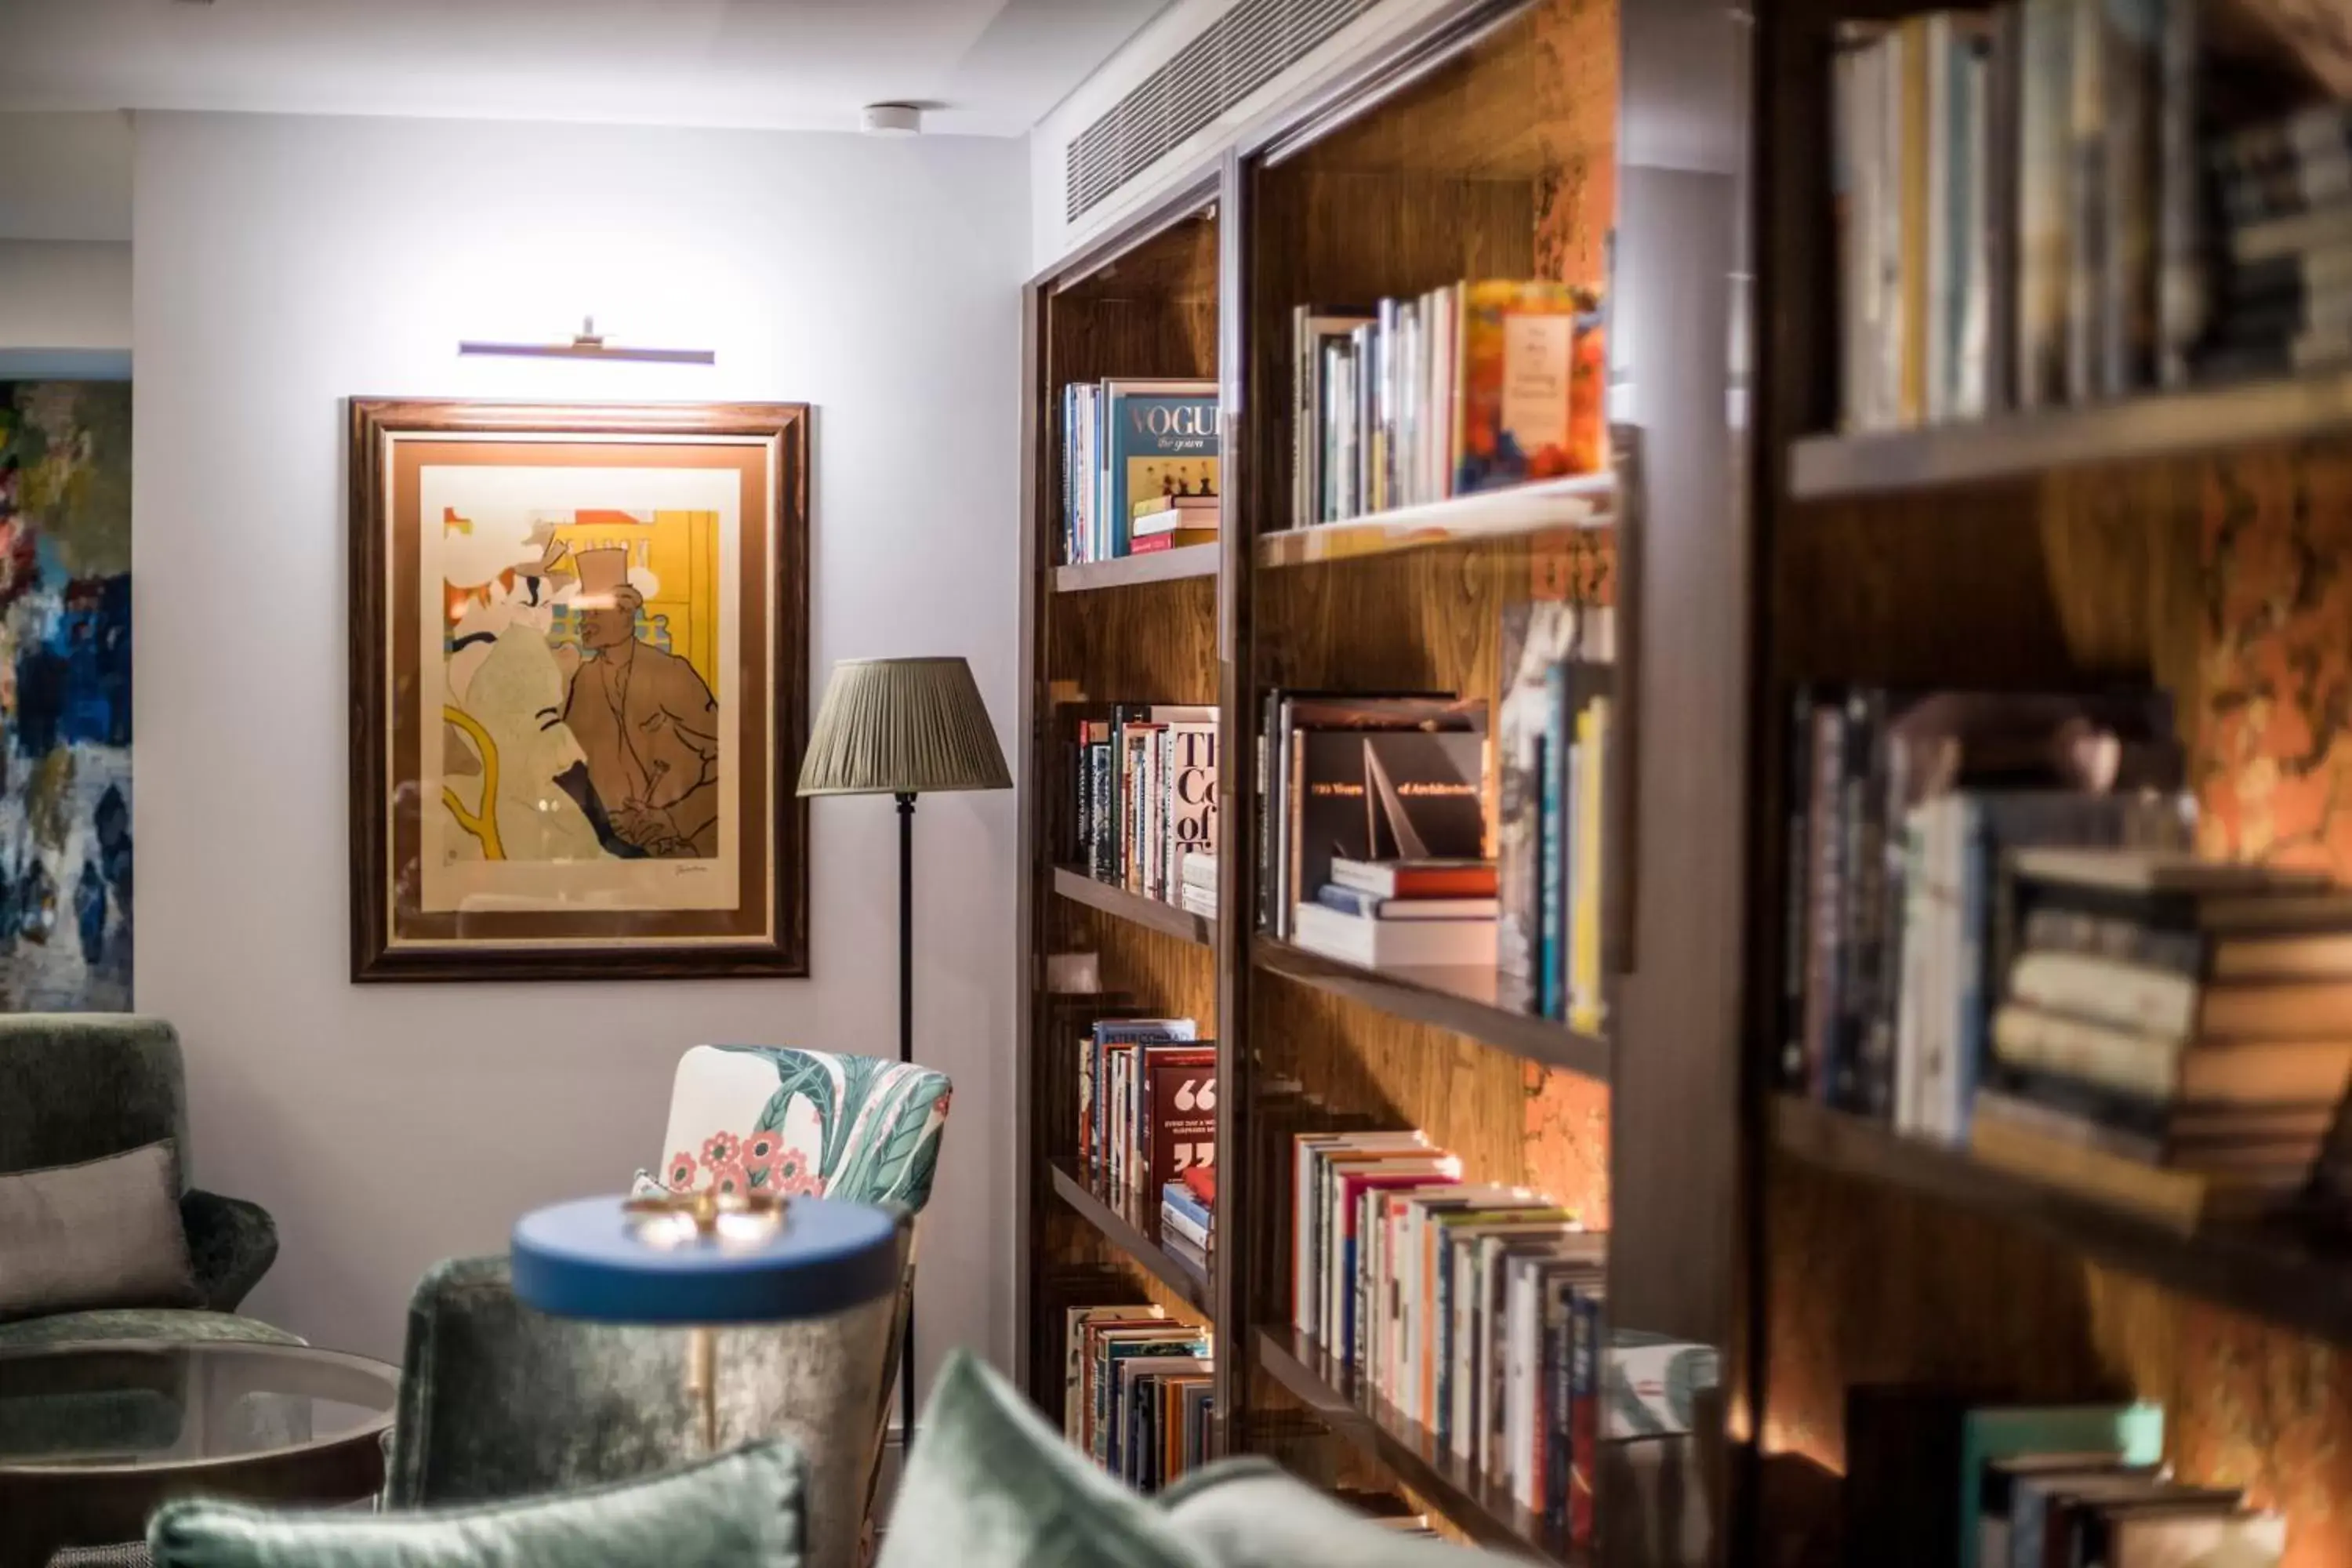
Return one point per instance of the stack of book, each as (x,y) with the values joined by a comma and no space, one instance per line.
(2177,1034)
(1133,448)
(2283,302)
(1471,1311)
(1938,1478)
(1146,1102)
(2018,207)
(1402,914)
(1143,795)
(1136,1392)
(1365,779)
(1556,724)
(1197,871)
(1188,1215)
(1901,805)
(1171,520)
(1469,387)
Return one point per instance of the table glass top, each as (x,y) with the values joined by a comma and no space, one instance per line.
(141,1404)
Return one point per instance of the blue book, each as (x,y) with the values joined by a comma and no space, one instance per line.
(1161,437)
(1179,1196)
(1551,911)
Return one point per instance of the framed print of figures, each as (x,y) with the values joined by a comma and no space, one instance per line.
(579,690)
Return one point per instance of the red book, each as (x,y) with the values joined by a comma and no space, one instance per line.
(1151,543)
(1417,878)
(1203,1180)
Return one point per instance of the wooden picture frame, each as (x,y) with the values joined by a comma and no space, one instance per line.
(610,793)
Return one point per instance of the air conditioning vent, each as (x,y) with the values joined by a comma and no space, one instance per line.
(1234,55)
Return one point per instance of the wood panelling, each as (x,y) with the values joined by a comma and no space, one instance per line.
(1154,642)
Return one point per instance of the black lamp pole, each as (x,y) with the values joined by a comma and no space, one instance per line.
(906,1053)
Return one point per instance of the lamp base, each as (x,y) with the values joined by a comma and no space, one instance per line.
(702,1381)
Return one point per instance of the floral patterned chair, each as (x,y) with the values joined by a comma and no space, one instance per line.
(500,1401)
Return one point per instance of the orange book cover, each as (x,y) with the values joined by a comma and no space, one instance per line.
(1534,371)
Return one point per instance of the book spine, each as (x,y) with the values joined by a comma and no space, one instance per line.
(2045,119)
(1586,1004)
(2048,929)
(1912,989)
(1943,238)
(1552,767)
(1872,1087)
(1977,868)
(1585,1373)
(1858,881)
(2132,82)
(1796,902)
(1916,308)
(2003,264)
(1823,898)
(1846,69)
(2184,289)
(2087,192)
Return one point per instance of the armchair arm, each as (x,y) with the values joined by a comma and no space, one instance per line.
(232,1241)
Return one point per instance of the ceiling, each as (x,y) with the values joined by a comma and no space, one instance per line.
(989,67)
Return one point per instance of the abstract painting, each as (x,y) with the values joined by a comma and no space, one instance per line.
(580,648)
(65,696)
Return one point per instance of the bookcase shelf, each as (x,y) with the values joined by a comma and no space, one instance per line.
(1153,914)
(1122,1222)
(1125,570)
(1481,1507)
(1459,999)
(1584,500)
(2014,445)
(2270,1271)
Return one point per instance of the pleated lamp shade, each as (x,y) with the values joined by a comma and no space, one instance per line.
(902,726)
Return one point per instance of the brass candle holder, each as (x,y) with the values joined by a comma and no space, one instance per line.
(705,1218)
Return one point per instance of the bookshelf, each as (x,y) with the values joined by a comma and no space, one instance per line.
(1480,141)
(2150,539)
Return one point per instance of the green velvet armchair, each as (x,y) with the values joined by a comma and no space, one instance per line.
(498,1401)
(83,1086)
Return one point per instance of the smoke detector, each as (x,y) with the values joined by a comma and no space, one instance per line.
(891,120)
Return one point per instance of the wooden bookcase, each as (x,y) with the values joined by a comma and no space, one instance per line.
(1537,138)
(2186,537)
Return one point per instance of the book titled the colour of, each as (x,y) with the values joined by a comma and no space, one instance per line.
(1161,437)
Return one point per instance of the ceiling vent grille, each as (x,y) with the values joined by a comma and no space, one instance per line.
(1234,55)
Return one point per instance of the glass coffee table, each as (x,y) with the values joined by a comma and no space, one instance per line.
(95,1436)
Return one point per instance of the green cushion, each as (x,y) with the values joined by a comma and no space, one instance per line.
(1249,1514)
(738,1511)
(139,1323)
(990,1484)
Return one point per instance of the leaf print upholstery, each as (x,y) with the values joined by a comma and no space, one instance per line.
(768,1118)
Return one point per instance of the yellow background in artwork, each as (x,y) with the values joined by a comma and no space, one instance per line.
(681,550)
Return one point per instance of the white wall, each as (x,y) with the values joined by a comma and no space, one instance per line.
(65,295)
(283,264)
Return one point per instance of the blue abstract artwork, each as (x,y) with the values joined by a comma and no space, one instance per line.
(65,697)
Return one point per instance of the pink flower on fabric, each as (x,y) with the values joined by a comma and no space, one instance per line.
(791,1175)
(729,1177)
(722,1149)
(760,1149)
(681,1171)
(946,1098)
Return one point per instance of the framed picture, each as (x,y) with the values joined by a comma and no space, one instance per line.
(579,690)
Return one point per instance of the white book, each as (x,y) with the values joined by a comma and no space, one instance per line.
(1176,1220)
(1393,944)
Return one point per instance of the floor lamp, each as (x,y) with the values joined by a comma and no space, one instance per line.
(903,727)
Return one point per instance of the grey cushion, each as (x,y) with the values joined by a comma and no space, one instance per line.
(738,1511)
(139,1323)
(105,1233)
(990,1484)
(76,1086)
(1249,1514)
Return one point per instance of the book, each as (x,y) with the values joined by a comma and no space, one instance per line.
(1422,879)
(1372,794)
(2131,88)
(1172,539)
(2175,1006)
(1178,1116)
(2000,1494)
(2045,233)
(1158,437)
(1518,355)
(2287,1141)
(1364,905)
(2198,951)
(2159,1124)
(2152,1067)
(2158,870)
(1394,945)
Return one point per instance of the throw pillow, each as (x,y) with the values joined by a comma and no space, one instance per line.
(990,1484)
(105,1233)
(1249,1513)
(742,1510)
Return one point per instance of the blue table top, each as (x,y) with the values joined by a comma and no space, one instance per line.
(586,1260)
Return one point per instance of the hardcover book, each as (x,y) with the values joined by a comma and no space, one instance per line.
(1180,1112)
(1519,350)
(1384,794)
(1160,437)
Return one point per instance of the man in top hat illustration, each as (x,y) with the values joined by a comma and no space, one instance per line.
(648,725)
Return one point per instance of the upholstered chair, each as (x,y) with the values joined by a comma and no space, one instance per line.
(500,1401)
(83,1086)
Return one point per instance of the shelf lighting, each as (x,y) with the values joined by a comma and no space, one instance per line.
(587,343)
